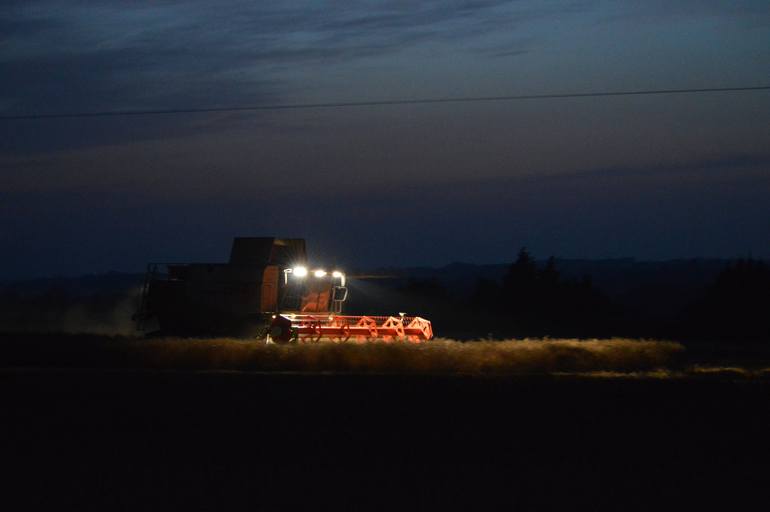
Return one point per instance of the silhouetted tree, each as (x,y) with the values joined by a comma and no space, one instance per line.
(549,276)
(522,274)
(537,301)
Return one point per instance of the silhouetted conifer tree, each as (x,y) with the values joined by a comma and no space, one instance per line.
(549,275)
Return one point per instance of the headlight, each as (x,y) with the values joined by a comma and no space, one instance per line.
(337,274)
(299,271)
(319,273)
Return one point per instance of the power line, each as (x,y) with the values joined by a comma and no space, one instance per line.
(377,103)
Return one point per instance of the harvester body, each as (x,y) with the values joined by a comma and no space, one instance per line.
(265,290)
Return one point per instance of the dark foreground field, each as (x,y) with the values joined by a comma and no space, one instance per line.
(155,440)
(118,424)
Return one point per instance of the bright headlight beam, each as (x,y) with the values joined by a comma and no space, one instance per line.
(299,271)
(336,274)
(319,273)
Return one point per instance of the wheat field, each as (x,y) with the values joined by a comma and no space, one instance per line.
(440,356)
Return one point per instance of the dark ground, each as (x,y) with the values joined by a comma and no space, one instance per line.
(152,440)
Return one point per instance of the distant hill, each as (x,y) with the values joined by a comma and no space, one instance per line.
(646,297)
(619,278)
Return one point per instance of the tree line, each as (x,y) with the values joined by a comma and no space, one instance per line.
(535,299)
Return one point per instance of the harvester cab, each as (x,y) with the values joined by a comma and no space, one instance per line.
(316,291)
(266,290)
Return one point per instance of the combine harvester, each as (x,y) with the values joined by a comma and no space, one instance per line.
(266,290)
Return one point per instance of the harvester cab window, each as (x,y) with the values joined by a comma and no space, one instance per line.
(316,297)
(313,291)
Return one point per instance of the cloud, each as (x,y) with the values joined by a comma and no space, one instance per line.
(750,13)
(65,56)
(75,56)
(113,56)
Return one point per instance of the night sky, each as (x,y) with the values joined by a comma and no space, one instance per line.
(651,177)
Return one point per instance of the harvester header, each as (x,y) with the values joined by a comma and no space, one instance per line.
(268,290)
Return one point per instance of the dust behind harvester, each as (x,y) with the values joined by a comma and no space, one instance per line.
(267,290)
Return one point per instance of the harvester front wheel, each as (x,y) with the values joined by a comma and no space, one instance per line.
(280,330)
